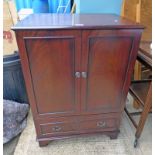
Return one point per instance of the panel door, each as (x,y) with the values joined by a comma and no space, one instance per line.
(106,57)
(53,58)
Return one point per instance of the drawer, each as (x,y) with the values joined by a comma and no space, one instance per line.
(58,128)
(99,124)
(78,124)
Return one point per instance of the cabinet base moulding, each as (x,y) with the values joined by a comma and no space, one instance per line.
(45,141)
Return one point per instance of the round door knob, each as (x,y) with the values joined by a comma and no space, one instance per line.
(77,75)
(84,75)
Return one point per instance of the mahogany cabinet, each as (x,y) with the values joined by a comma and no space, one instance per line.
(77,70)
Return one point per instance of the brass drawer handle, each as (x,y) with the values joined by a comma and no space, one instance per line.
(101,124)
(56,128)
(77,75)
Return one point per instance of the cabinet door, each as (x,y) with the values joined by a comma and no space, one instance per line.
(107,58)
(53,58)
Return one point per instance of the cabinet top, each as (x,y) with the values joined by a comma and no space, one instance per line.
(75,21)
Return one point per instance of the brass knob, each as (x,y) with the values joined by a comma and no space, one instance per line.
(56,128)
(84,75)
(101,124)
(77,75)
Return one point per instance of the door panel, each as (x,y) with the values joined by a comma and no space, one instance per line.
(107,55)
(53,63)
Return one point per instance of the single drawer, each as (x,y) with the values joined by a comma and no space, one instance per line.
(58,128)
(99,124)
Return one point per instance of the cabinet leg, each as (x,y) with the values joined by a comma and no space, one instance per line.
(144,115)
(113,134)
(135,143)
(43,143)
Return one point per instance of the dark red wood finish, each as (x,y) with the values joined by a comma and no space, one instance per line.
(59,88)
(103,86)
(104,54)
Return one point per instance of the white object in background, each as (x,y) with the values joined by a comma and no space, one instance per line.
(24,13)
(63,6)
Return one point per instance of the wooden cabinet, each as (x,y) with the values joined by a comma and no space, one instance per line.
(77,71)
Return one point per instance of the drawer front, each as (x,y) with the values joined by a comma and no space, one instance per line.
(78,124)
(99,124)
(57,128)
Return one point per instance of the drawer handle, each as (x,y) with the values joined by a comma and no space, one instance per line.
(56,128)
(77,74)
(101,124)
